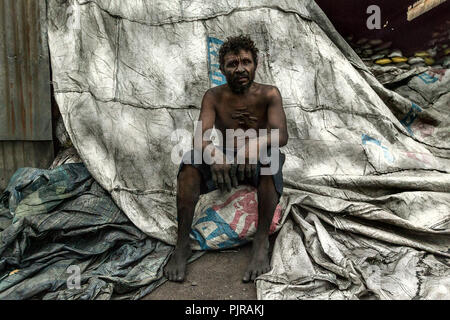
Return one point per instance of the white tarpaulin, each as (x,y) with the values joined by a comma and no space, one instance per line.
(366,202)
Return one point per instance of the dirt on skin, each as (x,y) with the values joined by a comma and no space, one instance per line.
(217,275)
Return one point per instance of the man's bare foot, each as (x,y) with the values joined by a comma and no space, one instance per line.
(175,269)
(259,261)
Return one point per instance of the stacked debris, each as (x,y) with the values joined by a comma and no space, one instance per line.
(441,41)
(379,52)
(386,61)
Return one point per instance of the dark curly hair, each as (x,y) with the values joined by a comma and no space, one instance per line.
(235,44)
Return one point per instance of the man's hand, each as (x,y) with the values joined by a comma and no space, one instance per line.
(250,152)
(224,175)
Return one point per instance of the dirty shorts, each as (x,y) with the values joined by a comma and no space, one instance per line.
(205,170)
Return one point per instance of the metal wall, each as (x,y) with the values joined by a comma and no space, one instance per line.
(25,106)
(17,154)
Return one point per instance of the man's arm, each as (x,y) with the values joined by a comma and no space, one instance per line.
(207,119)
(276,119)
(220,171)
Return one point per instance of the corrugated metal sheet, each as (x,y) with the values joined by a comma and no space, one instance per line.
(25,111)
(17,154)
(25,106)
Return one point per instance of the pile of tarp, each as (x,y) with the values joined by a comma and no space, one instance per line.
(62,237)
(365,211)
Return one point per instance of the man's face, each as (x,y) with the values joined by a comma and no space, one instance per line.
(239,70)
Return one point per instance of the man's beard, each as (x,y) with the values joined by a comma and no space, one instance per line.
(238,88)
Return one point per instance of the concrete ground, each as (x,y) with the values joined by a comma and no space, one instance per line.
(217,275)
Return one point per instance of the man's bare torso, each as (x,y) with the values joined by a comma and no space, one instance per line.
(243,111)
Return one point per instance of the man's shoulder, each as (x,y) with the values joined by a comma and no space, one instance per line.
(215,92)
(218,89)
(211,96)
(268,90)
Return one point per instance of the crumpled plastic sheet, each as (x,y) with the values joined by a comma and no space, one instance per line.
(53,221)
(366,203)
(392,74)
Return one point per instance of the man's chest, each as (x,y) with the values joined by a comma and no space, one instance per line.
(241,113)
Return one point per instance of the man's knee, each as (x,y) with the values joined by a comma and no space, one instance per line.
(188,174)
(189,181)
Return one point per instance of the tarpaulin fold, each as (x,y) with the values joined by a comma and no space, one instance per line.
(55,220)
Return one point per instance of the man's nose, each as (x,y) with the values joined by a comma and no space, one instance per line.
(240,68)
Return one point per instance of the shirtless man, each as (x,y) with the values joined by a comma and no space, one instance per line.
(243,104)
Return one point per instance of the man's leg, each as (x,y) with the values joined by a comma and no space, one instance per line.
(267,203)
(188,192)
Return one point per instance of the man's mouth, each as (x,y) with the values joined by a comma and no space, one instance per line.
(239,82)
